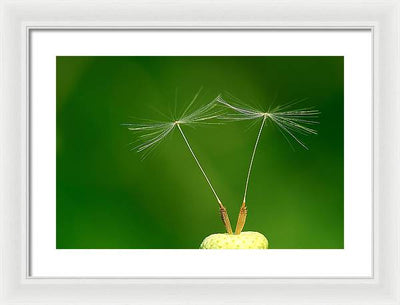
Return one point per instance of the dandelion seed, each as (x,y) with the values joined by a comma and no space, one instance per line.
(151,134)
(291,123)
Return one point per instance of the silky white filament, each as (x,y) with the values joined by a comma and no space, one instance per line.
(252,157)
(198,163)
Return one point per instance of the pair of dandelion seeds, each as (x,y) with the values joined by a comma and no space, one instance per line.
(293,124)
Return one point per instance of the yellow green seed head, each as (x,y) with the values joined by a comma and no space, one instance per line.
(244,240)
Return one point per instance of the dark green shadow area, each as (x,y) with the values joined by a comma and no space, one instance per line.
(107,198)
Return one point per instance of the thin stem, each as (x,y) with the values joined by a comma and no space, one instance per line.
(252,157)
(243,209)
(222,209)
(198,163)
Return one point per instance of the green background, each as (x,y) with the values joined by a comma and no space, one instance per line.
(107,197)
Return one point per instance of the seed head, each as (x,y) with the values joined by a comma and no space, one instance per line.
(291,123)
(149,134)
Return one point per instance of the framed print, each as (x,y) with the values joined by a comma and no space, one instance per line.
(121,214)
(230,159)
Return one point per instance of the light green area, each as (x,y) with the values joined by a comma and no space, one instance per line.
(108,198)
(244,240)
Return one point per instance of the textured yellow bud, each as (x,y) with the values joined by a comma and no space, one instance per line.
(244,240)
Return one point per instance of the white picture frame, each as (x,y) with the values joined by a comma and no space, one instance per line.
(20,17)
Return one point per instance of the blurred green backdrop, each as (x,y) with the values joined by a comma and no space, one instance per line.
(108,198)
